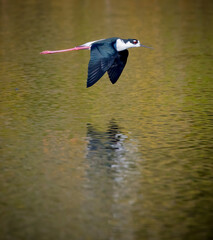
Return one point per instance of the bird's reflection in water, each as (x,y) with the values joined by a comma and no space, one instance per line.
(108,147)
(111,180)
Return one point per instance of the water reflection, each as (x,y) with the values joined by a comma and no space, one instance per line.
(111,150)
(112,178)
(106,147)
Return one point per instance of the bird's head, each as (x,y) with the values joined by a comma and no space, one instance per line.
(132,43)
(122,44)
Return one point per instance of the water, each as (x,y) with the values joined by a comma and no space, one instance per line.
(128,161)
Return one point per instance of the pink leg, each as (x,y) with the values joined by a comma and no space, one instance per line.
(65,50)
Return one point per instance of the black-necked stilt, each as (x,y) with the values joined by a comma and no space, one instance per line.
(107,55)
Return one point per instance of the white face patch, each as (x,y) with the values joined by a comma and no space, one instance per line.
(121,45)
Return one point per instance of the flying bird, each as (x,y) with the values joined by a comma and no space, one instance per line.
(106,55)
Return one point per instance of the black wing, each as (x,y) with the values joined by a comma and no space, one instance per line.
(102,57)
(118,65)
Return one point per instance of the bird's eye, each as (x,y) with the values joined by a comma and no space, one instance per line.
(135,41)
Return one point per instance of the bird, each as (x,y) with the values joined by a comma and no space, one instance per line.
(106,55)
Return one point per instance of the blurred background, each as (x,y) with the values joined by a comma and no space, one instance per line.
(130,161)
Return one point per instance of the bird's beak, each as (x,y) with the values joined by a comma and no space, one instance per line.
(141,45)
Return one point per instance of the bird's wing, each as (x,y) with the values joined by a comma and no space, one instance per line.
(102,56)
(118,65)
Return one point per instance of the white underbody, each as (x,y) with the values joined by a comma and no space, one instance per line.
(89,44)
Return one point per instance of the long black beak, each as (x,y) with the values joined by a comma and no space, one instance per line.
(145,46)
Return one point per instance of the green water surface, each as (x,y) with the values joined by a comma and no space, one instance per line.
(130,161)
